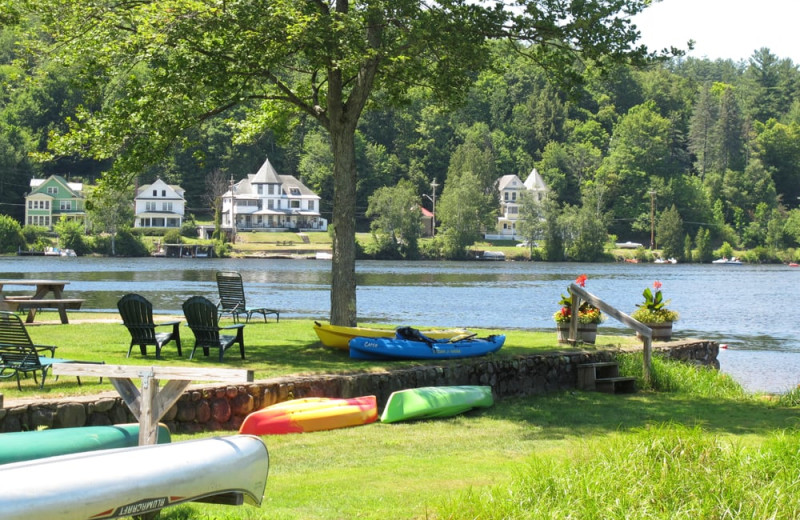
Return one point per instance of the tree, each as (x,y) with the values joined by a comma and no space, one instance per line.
(396,219)
(584,229)
(670,233)
(10,235)
(702,241)
(462,212)
(164,66)
(109,210)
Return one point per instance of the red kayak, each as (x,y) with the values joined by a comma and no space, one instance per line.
(311,414)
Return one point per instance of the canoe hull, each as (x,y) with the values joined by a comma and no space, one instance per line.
(21,446)
(339,337)
(377,349)
(311,414)
(435,401)
(135,481)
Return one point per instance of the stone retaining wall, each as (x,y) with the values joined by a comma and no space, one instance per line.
(215,407)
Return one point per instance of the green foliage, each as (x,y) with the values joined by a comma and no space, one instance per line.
(189,227)
(173,236)
(725,251)
(464,209)
(702,241)
(129,244)
(654,308)
(10,235)
(669,232)
(396,222)
(70,235)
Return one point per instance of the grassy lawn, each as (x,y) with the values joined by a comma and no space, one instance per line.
(568,455)
(272,349)
(695,446)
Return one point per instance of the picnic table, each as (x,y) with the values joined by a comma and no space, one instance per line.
(150,403)
(39,299)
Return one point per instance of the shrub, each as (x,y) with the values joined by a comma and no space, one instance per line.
(11,238)
(173,236)
(129,244)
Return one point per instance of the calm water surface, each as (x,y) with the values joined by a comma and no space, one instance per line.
(741,306)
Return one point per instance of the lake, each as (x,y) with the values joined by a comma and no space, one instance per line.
(738,305)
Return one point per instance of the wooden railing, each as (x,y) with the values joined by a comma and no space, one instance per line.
(580,294)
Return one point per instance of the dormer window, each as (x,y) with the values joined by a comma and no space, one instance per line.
(294,191)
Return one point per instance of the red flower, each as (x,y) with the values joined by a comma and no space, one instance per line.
(657,285)
(581,280)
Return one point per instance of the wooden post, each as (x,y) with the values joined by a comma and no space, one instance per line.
(644,331)
(149,405)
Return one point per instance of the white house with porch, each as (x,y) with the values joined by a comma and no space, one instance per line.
(512,189)
(266,200)
(159,205)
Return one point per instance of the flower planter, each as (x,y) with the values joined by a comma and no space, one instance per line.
(587,332)
(661,331)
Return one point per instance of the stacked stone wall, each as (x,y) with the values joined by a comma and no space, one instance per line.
(215,407)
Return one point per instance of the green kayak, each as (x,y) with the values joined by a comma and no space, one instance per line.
(22,446)
(435,401)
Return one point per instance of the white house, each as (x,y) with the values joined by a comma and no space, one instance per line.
(159,205)
(265,200)
(511,190)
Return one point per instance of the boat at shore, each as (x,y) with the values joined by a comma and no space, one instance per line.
(311,414)
(21,446)
(136,481)
(339,337)
(410,343)
(435,401)
(727,261)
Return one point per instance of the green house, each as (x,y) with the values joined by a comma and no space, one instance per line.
(52,199)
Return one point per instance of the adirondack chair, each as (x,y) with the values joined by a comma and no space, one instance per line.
(19,355)
(137,315)
(201,317)
(232,300)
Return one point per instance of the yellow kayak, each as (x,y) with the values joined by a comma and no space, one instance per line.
(339,337)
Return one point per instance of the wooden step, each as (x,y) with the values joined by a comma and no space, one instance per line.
(616,385)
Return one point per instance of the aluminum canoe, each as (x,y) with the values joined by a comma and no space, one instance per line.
(135,481)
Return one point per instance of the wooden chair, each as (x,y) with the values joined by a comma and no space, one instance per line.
(19,355)
(137,315)
(201,317)
(232,300)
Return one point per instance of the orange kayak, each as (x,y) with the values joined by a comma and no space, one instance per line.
(311,414)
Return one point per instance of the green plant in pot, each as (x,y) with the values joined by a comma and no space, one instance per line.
(653,312)
(588,317)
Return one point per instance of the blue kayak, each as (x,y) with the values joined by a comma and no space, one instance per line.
(409,343)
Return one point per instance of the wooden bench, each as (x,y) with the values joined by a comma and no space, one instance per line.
(32,305)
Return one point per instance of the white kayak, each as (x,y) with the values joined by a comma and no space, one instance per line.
(135,481)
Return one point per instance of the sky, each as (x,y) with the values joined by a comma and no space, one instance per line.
(723,29)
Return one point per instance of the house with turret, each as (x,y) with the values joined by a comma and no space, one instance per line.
(266,200)
(512,190)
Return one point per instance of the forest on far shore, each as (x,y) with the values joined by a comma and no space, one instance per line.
(708,150)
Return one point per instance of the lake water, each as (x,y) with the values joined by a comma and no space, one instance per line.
(745,307)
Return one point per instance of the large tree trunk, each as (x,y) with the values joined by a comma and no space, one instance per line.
(343,267)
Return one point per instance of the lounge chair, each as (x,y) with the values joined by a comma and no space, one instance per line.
(201,316)
(137,315)
(232,300)
(19,355)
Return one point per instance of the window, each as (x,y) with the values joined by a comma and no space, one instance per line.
(311,205)
(294,204)
(505,195)
(295,191)
(163,193)
(513,195)
(260,189)
(271,189)
(52,190)
(150,207)
(155,193)
(66,205)
(167,206)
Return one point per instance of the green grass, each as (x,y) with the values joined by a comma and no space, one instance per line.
(289,347)
(653,454)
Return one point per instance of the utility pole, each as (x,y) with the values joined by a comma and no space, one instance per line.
(652,219)
(434,185)
(233,214)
